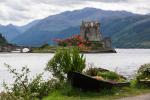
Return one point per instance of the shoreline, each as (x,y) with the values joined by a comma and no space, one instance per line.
(110,50)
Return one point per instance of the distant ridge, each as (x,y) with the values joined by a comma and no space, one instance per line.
(128,30)
(9,31)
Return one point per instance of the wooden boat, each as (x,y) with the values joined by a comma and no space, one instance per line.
(88,83)
(145,83)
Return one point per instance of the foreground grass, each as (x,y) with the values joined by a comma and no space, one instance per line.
(120,93)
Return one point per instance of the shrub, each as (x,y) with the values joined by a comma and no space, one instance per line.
(133,83)
(64,61)
(144,72)
(77,40)
(24,88)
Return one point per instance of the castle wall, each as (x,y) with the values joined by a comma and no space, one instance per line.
(91,31)
(107,42)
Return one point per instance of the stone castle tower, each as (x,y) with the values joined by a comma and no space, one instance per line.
(91,31)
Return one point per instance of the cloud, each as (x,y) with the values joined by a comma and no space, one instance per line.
(20,12)
(108,0)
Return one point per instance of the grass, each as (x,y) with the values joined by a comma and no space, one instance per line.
(105,95)
(47,49)
(68,93)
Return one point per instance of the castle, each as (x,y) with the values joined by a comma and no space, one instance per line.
(91,31)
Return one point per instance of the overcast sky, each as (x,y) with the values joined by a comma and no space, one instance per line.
(20,12)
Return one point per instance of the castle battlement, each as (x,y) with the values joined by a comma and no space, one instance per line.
(91,24)
(90,31)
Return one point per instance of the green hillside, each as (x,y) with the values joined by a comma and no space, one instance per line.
(135,35)
(2,40)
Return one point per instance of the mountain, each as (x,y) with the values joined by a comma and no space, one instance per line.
(70,19)
(127,30)
(134,35)
(9,31)
(65,24)
(27,26)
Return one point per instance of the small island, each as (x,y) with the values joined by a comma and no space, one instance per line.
(90,40)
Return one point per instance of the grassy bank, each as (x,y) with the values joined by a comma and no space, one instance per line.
(44,49)
(125,92)
(52,49)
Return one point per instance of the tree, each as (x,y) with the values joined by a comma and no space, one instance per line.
(3,41)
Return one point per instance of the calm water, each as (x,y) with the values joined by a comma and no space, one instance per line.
(125,62)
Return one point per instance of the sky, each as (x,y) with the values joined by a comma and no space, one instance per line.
(21,12)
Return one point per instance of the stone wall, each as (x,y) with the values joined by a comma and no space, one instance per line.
(91,31)
(107,42)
